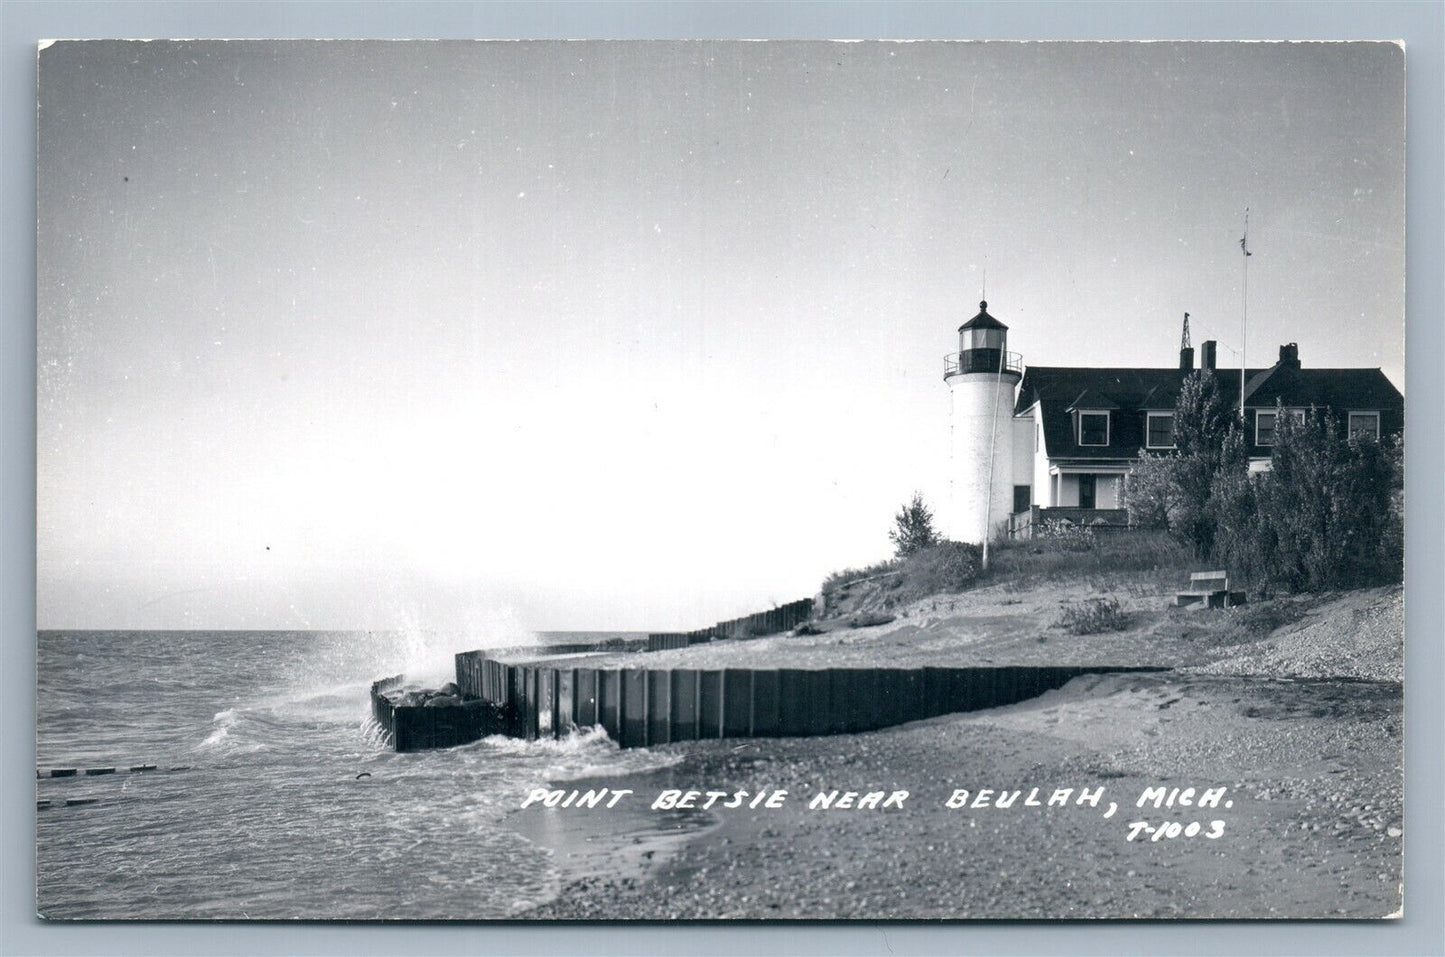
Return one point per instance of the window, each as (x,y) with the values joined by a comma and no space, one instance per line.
(1264,428)
(1364,424)
(1264,423)
(1023,498)
(1160,433)
(1093,428)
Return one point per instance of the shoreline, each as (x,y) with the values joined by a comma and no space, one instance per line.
(625,843)
(1289,850)
(1295,708)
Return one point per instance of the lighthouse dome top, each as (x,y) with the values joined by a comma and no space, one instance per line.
(983,320)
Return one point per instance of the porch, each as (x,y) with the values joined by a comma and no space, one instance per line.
(1035,520)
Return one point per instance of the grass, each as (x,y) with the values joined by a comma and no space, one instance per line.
(1258,620)
(842,580)
(1134,563)
(1093,617)
(944,568)
(1023,564)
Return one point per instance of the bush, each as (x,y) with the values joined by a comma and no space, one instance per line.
(1094,616)
(1066,537)
(1151,490)
(913,527)
(1325,516)
(842,580)
(942,568)
(939,569)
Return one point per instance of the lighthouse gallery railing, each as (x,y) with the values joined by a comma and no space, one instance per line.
(981,360)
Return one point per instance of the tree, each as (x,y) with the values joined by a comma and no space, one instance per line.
(1327,507)
(913,527)
(1327,513)
(1175,490)
(1203,416)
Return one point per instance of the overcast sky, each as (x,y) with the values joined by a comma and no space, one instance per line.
(491,337)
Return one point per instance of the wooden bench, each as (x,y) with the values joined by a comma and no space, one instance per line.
(1209,590)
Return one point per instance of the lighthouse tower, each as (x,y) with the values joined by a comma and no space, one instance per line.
(982,376)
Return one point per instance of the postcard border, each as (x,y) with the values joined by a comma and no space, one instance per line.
(1419,25)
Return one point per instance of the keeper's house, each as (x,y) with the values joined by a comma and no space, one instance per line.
(1047,443)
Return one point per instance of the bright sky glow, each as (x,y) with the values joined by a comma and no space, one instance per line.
(630,335)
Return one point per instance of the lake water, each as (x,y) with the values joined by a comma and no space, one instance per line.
(264,815)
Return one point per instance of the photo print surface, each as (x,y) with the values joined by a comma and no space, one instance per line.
(708,480)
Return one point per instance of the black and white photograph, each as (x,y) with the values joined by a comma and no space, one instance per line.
(717,480)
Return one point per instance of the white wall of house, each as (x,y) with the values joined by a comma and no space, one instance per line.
(1023,468)
(1038,448)
(1068,491)
(1108,491)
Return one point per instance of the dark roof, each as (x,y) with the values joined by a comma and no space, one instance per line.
(1339,389)
(983,320)
(1092,399)
(1161,398)
(1131,392)
(1128,388)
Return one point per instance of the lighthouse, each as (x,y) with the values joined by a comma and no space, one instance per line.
(982,376)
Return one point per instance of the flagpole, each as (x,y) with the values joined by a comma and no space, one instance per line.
(992,445)
(1244,316)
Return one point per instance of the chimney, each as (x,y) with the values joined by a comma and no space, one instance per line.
(1206,355)
(1289,355)
(1186,359)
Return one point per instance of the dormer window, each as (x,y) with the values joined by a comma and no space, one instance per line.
(1364,424)
(1160,431)
(1094,428)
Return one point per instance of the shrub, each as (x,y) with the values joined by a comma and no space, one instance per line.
(1324,509)
(1065,536)
(840,581)
(942,568)
(1327,514)
(1151,490)
(939,569)
(913,527)
(1094,616)
(1175,490)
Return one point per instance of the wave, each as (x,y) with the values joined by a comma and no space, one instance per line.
(220,739)
(581,753)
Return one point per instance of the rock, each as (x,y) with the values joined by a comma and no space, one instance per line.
(450,688)
(866,619)
(443,701)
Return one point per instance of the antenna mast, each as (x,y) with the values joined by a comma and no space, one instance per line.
(1184,342)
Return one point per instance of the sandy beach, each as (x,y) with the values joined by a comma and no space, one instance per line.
(1307,747)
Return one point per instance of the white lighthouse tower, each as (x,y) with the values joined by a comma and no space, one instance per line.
(982,376)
